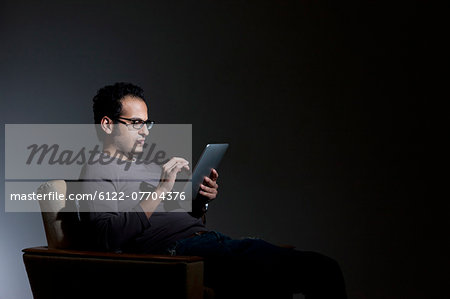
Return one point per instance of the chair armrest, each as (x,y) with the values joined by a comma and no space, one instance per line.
(42,250)
(66,273)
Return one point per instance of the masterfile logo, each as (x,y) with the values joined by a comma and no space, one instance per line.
(37,153)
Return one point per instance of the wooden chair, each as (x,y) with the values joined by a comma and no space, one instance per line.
(57,271)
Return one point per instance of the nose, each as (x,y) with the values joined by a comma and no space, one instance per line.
(143,131)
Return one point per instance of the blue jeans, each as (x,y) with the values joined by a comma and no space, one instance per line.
(234,267)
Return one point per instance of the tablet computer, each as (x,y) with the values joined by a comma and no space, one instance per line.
(210,158)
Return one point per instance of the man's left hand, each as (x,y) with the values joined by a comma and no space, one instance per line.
(210,186)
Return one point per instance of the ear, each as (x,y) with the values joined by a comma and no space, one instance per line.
(107,125)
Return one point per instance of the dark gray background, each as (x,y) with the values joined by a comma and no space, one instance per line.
(323,105)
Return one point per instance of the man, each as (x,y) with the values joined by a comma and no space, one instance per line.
(141,226)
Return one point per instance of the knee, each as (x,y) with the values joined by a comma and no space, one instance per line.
(333,267)
(329,262)
(326,265)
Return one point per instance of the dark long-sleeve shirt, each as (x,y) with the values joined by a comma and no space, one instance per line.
(121,225)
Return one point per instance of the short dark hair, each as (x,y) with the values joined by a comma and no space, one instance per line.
(107,101)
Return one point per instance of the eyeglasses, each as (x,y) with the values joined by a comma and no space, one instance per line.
(136,124)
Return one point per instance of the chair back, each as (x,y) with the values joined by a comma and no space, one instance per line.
(49,210)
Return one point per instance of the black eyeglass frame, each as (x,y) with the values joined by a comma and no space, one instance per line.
(137,122)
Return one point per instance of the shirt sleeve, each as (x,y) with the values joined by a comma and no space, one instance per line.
(112,228)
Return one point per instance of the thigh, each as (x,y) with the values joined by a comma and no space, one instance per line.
(242,262)
(207,245)
(214,245)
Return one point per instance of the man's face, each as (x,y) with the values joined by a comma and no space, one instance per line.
(126,139)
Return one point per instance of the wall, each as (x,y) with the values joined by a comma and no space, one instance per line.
(322,105)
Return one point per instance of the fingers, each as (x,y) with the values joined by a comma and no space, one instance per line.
(210,186)
(211,183)
(177,167)
(214,174)
(175,164)
(171,169)
(208,189)
(209,195)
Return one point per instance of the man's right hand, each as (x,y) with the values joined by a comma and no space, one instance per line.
(168,177)
(169,173)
